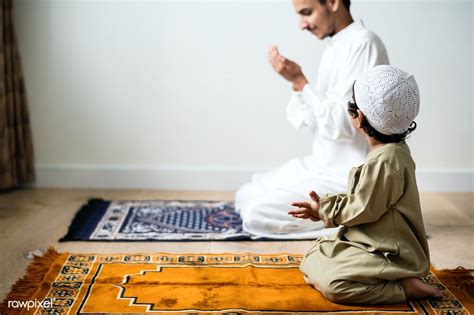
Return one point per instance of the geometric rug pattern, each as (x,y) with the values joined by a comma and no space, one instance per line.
(156,220)
(198,283)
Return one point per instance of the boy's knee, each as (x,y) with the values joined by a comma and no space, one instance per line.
(335,290)
(349,292)
(317,280)
(338,291)
(335,296)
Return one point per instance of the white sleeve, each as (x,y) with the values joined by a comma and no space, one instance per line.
(299,114)
(330,111)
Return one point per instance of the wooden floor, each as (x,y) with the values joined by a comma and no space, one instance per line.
(33,219)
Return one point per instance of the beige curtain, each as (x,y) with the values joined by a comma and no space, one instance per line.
(16,147)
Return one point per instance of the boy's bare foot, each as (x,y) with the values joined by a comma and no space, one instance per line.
(416,289)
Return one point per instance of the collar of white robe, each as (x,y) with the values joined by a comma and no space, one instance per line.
(346,32)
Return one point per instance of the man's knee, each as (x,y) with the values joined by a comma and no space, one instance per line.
(252,222)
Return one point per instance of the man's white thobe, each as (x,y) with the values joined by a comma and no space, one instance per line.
(264,202)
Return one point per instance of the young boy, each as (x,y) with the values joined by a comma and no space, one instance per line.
(381,249)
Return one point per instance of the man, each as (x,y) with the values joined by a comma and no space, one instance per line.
(352,50)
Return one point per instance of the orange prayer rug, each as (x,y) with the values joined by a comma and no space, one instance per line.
(199,283)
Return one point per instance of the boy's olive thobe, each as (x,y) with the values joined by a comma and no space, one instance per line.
(382,239)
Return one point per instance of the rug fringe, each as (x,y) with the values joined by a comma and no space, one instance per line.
(24,288)
(461,278)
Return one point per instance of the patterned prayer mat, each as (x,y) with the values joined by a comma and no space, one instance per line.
(200,283)
(158,220)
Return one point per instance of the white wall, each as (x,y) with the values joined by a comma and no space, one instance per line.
(179,95)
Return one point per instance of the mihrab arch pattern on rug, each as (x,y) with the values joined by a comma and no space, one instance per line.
(201,283)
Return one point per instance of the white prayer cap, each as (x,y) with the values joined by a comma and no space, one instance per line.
(388,97)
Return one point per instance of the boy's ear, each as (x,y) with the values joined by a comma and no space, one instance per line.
(360,116)
(333,5)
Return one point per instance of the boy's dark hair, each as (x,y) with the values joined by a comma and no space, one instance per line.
(347,3)
(352,109)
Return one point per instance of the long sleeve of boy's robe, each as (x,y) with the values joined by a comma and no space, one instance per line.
(366,203)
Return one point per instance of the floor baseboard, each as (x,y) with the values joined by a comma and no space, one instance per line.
(203,178)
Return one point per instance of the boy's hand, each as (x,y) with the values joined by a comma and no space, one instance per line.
(307,209)
(287,68)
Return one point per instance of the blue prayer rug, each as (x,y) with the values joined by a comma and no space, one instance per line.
(157,220)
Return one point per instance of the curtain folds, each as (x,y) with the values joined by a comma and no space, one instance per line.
(16,146)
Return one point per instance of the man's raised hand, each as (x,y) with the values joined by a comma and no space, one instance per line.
(287,68)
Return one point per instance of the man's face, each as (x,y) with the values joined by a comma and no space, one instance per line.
(315,17)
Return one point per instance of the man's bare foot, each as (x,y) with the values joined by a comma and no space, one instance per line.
(416,289)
